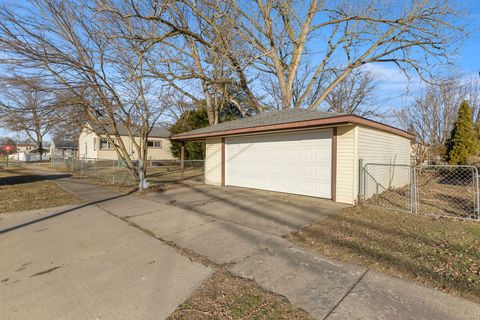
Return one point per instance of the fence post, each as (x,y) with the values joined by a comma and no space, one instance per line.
(182,159)
(72,163)
(361,180)
(415,191)
(477,207)
(113,172)
(95,167)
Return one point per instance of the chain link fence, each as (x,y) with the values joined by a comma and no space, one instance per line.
(442,190)
(116,171)
(388,186)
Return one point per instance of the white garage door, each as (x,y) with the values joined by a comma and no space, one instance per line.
(294,162)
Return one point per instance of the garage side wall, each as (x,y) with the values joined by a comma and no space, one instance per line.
(388,150)
(213,161)
(346,160)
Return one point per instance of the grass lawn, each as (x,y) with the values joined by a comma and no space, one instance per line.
(440,253)
(224,296)
(20,190)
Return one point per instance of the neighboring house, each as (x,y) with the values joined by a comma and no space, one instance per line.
(33,154)
(304,152)
(63,148)
(94,145)
(25,147)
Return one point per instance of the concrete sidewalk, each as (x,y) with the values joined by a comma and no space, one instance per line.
(80,262)
(324,288)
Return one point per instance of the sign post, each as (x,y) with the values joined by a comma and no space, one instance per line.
(7,149)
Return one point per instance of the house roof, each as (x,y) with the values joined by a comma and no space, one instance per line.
(157,132)
(286,119)
(26,145)
(66,145)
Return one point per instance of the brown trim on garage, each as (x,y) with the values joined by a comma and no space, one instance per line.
(334,165)
(338,120)
(222,183)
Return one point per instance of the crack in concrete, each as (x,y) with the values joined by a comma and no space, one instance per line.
(141,214)
(45,271)
(192,256)
(345,295)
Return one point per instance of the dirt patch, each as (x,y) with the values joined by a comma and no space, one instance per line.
(437,252)
(225,296)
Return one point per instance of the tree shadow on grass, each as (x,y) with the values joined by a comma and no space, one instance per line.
(28,178)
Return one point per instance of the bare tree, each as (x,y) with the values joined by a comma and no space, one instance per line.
(284,32)
(71,115)
(196,59)
(274,39)
(470,90)
(95,58)
(29,108)
(432,115)
(354,95)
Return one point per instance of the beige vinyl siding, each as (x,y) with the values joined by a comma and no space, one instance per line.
(379,147)
(91,141)
(213,161)
(163,153)
(346,161)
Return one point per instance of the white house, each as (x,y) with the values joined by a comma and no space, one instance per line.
(311,153)
(94,145)
(27,154)
(63,148)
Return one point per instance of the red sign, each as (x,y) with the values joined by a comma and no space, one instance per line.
(8,148)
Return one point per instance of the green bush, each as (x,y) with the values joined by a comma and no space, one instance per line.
(190,120)
(463,143)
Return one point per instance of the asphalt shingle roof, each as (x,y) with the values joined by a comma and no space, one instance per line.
(265,118)
(66,144)
(157,132)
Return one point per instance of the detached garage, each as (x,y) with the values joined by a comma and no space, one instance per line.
(296,151)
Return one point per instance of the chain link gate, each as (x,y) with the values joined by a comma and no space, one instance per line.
(442,190)
(447,190)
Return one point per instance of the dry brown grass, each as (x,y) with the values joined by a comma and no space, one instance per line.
(21,190)
(440,191)
(224,296)
(441,253)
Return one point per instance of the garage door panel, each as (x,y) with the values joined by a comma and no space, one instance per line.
(297,162)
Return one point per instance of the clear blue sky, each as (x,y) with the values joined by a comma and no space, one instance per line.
(393,88)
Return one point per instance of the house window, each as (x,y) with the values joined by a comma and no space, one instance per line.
(154,143)
(105,144)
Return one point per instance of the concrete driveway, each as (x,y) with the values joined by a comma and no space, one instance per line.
(241,228)
(84,263)
(271,212)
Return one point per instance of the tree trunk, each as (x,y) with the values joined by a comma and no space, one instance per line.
(40,148)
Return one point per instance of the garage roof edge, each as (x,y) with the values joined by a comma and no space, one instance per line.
(322,122)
